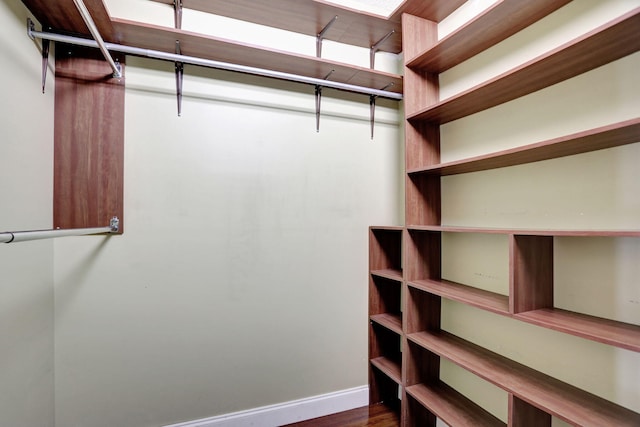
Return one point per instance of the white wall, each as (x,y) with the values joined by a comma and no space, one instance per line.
(26,182)
(597,276)
(241,278)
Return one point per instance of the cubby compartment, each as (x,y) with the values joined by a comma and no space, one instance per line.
(385,357)
(424,272)
(432,398)
(385,303)
(534,291)
(385,252)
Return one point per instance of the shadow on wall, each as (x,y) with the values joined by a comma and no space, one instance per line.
(268,86)
(69,285)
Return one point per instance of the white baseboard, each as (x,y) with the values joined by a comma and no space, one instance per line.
(288,412)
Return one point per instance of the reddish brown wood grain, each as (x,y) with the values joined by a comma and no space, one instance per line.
(503,19)
(609,42)
(613,135)
(422,200)
(530,273)
(88,140)
(606,331)
(160,38)
(354,27)
(522,414)
(423,255)
(452,407)
(378,415)
(469,295)
(63,15)
(552,396)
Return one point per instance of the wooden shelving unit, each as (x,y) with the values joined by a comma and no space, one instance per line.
(533,397)
(385,314)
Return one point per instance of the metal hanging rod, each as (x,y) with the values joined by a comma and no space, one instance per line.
(86,16)
(25,236)
(172,57)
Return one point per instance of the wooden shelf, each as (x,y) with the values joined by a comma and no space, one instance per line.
(310,17)
(160,38)
(451,407)
(607,43)
(497,23)
(623,335)
(544,392)
(525,232)
(393,322)
(388,367)
(389,273)
(397,228)
(614,135)
(480,298)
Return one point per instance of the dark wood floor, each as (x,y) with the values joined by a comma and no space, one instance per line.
(379,415)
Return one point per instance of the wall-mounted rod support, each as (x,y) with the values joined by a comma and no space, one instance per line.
(318,100)
(372,108)
(164,56)
(177,13)
(179,78)
(24,236)
(376,47)
(321,34)
(45,61)
(86,16)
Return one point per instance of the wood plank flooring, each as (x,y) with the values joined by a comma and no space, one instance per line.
(378,415)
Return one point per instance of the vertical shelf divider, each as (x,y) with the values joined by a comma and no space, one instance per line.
(531,273)
(522,414)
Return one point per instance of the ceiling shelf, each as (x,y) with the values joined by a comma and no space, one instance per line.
(309,17)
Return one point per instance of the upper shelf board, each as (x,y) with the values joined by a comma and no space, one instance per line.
(160,38)
(614,135)
(525,232)
(614,40)
(309,17)
(502,20)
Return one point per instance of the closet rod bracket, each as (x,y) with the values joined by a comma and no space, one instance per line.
(177,13)
(114,224)
(376,47)
(321,34)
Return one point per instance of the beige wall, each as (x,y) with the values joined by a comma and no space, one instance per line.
(26,282)
(241,278)
(597,276)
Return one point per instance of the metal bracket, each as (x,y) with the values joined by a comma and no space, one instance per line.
(117,74)
(114,224)
(372,107)
(45,50)
(30,28)
(179,66)
(321,34)
(318,101)
(177,13)
(45,61)
(376,47)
